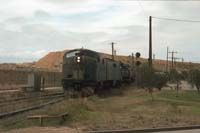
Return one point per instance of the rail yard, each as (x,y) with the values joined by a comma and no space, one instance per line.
(130,108)
(99,66)
(101,95)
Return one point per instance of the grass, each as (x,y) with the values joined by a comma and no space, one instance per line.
(131,109)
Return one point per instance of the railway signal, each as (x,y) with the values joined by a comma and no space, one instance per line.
(138,63)
(138,55)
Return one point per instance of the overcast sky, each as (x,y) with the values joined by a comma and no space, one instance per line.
(29,29)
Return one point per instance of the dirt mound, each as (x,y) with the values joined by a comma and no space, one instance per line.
(53,61)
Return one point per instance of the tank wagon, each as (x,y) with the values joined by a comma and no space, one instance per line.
(83,68)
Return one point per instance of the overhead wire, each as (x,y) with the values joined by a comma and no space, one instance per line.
(167,19)
(181,20)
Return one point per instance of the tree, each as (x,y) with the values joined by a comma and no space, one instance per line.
(149,79)
(194,78)
(184,75)
(160,80)
(175,77)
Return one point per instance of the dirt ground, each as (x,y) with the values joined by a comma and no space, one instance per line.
(128,109)
(183,86)
(45,130)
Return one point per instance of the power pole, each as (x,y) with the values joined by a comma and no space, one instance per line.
(132,64)
(172,58)
(150,41)
(167,59)
(112,50)
(132,58)
(175,58)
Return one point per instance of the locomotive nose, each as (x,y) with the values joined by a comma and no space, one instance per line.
(78,59)
(77,68)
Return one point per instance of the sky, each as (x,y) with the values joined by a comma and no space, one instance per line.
(29,29)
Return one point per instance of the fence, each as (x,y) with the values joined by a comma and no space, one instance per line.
(14,78)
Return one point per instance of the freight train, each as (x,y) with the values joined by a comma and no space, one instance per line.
(87,68)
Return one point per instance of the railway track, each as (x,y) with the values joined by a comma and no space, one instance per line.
(30,98)
(11,113)
(151,130)
(15,106)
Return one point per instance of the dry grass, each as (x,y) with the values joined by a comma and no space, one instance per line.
(131,109)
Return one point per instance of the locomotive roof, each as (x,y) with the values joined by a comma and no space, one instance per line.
(85,51)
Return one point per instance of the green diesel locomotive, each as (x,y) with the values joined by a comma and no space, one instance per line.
(83,68)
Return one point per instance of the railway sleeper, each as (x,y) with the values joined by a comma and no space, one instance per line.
(41,118)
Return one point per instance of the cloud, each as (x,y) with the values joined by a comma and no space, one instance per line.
(30,29)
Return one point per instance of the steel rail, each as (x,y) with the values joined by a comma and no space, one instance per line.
(3,115)
(31,97)
(29,100)
(151,130)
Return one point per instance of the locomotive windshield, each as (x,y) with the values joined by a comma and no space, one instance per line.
(82,52)
(72,54)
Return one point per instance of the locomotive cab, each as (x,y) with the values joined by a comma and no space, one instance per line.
(79,68)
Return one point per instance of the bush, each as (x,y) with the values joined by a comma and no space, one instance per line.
(194,78)
(184,75)
(160,80)
(174,76)
(148,78)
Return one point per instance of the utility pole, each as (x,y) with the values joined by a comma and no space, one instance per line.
(175,58)
(182,63)
(172,58)
(112,50)
(132,64)
(132,56)
(150,41)
(167,59)
(133,59)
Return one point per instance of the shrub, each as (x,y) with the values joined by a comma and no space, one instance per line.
(147,78)
(175,77)
(194,79)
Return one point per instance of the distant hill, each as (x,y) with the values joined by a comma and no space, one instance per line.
(53,62)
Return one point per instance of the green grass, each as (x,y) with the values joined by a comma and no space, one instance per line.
(187,95)
(132,109)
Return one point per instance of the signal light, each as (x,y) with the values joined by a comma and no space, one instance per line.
(78,59)
(138,55)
